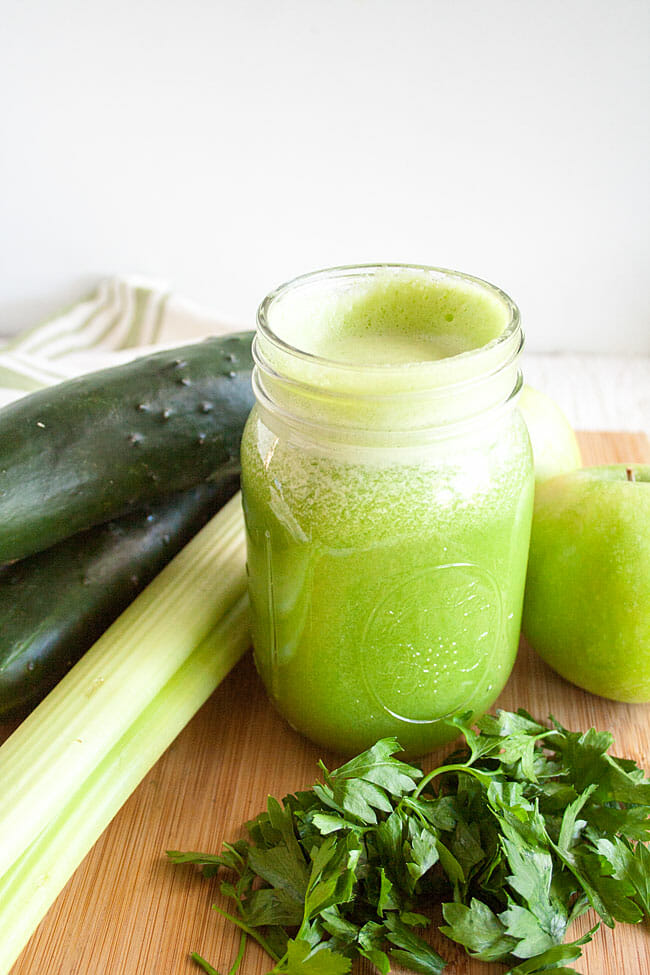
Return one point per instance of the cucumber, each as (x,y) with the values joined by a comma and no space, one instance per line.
(55,604)
(99,446)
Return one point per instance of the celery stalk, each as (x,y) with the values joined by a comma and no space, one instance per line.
(32,883)
(70,733)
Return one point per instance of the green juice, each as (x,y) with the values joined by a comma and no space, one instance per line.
(388,497)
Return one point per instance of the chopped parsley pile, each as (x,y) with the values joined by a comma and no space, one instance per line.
(515,836)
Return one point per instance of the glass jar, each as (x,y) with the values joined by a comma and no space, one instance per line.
(388,484)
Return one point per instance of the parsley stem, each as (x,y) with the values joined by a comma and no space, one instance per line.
(276,970)
(250,931)
(235,853)
(240,955)
(480,775)
(234,968)
(202,963)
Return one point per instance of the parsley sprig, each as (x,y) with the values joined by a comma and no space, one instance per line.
(517,834)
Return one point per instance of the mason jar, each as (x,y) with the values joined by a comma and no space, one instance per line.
(388,484)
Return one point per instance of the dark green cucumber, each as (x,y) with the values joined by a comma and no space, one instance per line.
(55,604)
(97,447)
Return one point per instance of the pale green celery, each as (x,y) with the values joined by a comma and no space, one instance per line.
(69,734)
(32,883)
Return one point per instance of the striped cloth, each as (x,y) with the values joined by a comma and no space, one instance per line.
(120,319)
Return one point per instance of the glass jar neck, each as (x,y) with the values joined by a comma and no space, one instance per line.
(356,396)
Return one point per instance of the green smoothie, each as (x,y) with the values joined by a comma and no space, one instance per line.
(388,494)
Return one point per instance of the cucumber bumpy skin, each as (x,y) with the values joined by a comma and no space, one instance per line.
(97,447)
(56,603)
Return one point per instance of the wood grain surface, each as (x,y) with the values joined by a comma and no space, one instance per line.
(127,911)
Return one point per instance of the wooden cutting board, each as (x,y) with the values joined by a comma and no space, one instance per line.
(127,911)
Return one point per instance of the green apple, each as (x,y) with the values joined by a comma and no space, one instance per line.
(587,602)
(555,448)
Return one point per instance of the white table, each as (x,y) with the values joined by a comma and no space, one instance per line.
(596,392)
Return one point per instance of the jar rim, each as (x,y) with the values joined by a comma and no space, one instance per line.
(365,270)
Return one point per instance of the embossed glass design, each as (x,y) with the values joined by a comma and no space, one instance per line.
(387,481)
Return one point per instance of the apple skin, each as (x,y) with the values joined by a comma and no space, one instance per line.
(554,443)
(587,601)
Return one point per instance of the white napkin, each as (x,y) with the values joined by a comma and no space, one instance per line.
(121,319)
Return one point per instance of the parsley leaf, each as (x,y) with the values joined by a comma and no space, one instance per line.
(518,833)
(478,929)
(302,959)
(411,950)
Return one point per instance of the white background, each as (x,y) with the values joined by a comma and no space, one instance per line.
(224,147)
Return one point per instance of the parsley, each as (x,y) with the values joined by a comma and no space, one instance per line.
(517,834)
